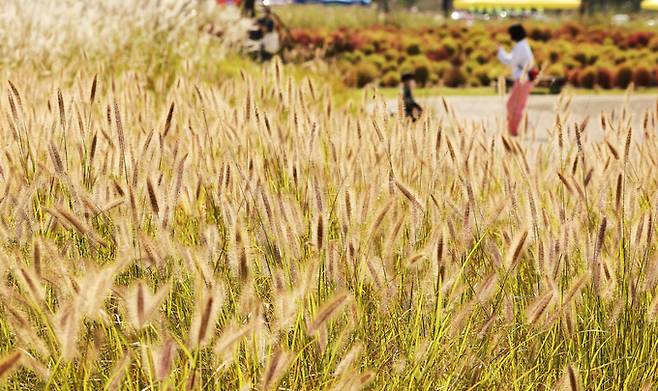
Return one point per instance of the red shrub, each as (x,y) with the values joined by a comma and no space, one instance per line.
(604,78)
(307,38)
(345,41)
(540,34)
(455,77)
(642,77)
(639,39)
(587,77)
(570,30)
(438,54)
(574,77)
(623,76)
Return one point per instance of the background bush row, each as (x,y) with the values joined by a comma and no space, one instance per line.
(457,55)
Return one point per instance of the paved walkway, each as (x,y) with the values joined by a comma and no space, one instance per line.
(541,110)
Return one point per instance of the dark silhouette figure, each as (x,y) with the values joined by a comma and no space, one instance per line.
(411,108)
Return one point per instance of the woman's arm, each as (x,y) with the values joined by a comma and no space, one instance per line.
(504,57)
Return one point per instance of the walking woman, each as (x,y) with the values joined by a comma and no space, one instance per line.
(521,62)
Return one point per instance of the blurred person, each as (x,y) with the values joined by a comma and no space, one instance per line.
(269,26)
(411,108)
(249,8)
(521,62)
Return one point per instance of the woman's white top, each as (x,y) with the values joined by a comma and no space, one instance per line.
(271,42)
(519,60)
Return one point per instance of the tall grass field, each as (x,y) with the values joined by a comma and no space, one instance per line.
(166,224)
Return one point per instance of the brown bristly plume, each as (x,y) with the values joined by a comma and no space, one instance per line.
(409,195)
(36,258)
(203,324)
(121,137)
(34,286)
(319,233)
(574,289)
(565,182)
(92,94)
(327,311)
(618,192)
(119,372)
(170,115)
(613,150)
(572,379)
(9,362)
(153,198)
(379,219)
(151,249)
(539,307)
(143,305)
(278,364)
(487,287)
(67,327)
(588,177)
(62,112)
(164,358)
(596,272)
(241,254)
(346,363)
(80,226)
(17,95)
(516,248)
(57,159)
(627,144)
(180,170)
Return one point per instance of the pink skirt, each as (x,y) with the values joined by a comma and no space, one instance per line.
(516,103)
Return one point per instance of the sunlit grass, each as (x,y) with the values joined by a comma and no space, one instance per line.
(162,229)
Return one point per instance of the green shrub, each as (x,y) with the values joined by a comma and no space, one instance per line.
(496,71)
(554,56)
(440,68)
(433,80)
(653,44)
(364,73)
(481,56)
(450,46)
(391,54)
(390,66)
(623,76)
(454,77)
(642,76)
(353,57)
(378,60)
(473,81)
(470,66)
(481,73)
(556,70)
(580,56)
(413,48)
(620,59)
(368,48)
(569,63)
(391,79)
(587,77)
(419,66)
(468,49)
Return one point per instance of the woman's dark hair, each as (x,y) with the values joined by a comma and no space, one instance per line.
(517,32)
